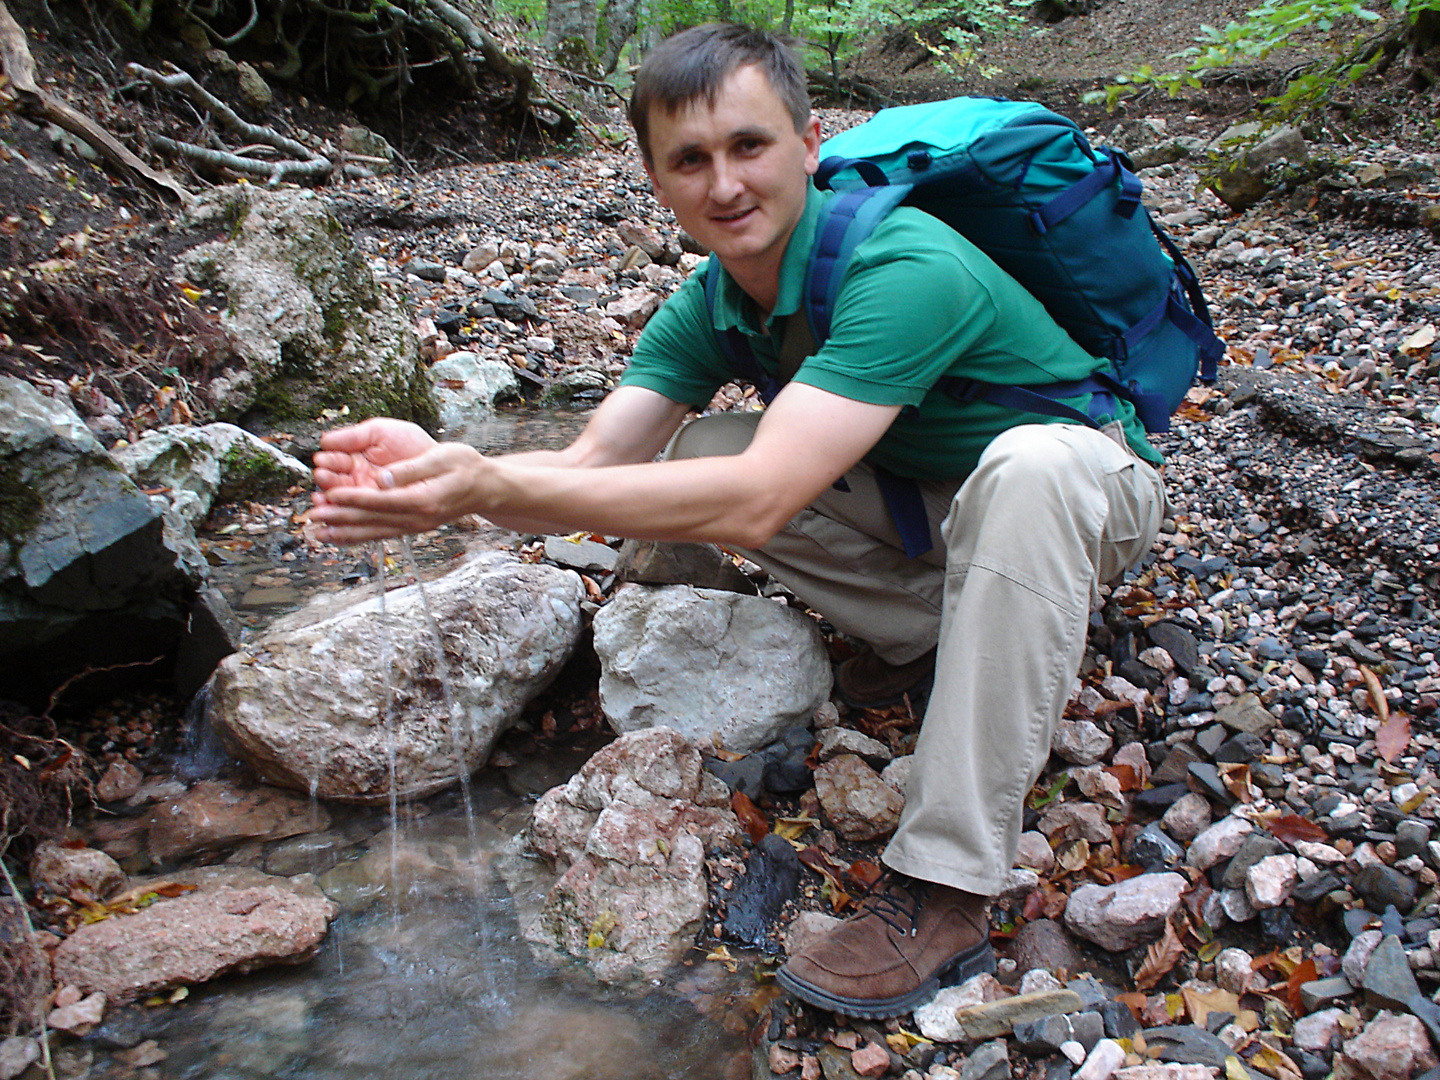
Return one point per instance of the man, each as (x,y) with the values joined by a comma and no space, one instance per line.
(1025,516)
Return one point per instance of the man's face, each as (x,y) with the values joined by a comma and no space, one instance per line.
(735,174)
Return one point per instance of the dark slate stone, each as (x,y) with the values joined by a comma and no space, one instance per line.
(1270,778)
(1277,925)
(425,270)
(1267,648)
(1356,921)
(1322,993)
(1215,1022)
(1141,675)
(1120,1022)
(788,776)
(1092,994)
(1417,931)
(1159,799)
(1187,1044)
(744,775)
(1312,1066)
(1388,981)
(1153,850)
(1175,768)
(1179,642)
(448,321)
(1205,778)
(1348,826)
(1199,701)
(1044,1036)
(1244,747)
(1382,885)
(1411,837)
(580,294)
(1391,923)
(1211,738)
(771,878)
(1312,889)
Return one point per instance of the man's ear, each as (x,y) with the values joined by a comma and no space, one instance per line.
(655,184)
(811,135)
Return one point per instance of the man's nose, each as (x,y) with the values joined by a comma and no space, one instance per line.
(725,181)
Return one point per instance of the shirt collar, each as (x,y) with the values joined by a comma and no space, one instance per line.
(733,308)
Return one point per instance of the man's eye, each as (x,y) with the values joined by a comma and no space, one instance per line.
(751,146)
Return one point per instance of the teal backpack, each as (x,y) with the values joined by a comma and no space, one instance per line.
(1024,185)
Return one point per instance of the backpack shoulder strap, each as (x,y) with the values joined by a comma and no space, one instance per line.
(846,222)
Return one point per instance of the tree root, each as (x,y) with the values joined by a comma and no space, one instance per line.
(301,163)
(20,67)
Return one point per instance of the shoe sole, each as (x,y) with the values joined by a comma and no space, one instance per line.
(975,960)
(916,693)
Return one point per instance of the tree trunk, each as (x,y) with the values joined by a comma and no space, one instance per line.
(621,19)
(570,29)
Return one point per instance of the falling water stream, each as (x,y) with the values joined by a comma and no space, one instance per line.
(424,973)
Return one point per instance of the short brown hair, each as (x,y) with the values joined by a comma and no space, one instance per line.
(693,64)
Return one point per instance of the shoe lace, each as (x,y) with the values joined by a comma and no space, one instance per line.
(895,898)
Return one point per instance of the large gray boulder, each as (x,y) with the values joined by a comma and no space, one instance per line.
(200,466)
(713,665)
(345,700)
(629,833)
(313,327)
(93,572)
(1249,169)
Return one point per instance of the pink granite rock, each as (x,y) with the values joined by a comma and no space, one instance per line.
(236,920)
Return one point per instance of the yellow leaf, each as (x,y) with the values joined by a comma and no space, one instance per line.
(193,295)
(1410,805)
(596,940)
(902,1041)
(1174,1005)
(793,828)
(180,993)
(1273,1062)
(1234,1070)
(722,954)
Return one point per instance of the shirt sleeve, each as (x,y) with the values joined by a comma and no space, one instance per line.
(678,354)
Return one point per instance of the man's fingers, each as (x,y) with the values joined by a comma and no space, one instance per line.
(347,440)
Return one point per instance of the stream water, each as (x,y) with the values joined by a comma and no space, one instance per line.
(424,973)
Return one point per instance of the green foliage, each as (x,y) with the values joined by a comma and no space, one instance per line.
(1275,24)
(528,14)
(836,27)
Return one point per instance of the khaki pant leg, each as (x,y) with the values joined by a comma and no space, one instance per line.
(1050,511)
(842,555)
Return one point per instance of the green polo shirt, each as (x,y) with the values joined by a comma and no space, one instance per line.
(918,302)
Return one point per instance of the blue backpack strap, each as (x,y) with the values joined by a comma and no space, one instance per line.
(907,510)
(1033,399)
(733,345)
(1196,322)
(849,219)
(867,170)
(1082,191)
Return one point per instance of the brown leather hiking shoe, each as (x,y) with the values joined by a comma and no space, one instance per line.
(867,682)
(890,958)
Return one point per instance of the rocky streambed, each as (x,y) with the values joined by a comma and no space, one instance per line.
(1230,867)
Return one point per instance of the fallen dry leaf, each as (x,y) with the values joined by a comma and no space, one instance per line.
(1393,737)
(1292,827)
(1377,694)
(1199,1006)
(1160,958)
(751,816)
